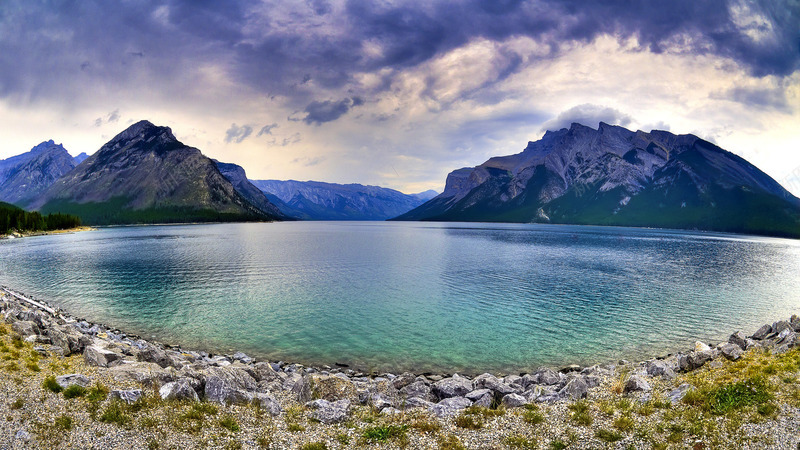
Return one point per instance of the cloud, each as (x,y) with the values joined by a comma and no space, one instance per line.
(318,113)
(589,115)
(308,162)
(112,117)
(267,129)
(769,98)
(237,134)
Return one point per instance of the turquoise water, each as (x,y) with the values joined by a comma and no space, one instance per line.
(421,296)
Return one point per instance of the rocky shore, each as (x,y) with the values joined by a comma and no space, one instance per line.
(68,383)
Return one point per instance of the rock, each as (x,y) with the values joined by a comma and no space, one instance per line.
(241,357)
(701,347)
(513,401)
(417,389)
(222,390)
(456,386)
(265,372)
(127,396)
(268,403)
(547,377)
(485,401)
(660,368)
(390,411)
(37,339)
(787,337)
(150,353)
(25,327)
(416,402)
(762,332)
(570,368)
(739,339)
(98,356)
(450,406)
(380,401)
(178,390)
(677,394)
(332,388)
(490,381)
(66,381)
(515,381)
(146,373)
(22,435)
(59,339)
(478,393)
(330,412)
(403,380)
(575,389)
(693,360)
(636,384)
(778,327)
(591,381)
(731,351)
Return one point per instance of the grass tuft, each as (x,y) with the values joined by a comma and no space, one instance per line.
(229,423)
(52,385)
(74,391)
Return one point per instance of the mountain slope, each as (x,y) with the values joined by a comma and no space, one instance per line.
(145,175)
(613,176)
(238,178)
(25,176)
(315,200)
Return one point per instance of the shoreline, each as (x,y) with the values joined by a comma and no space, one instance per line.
(18,235)
(338,406)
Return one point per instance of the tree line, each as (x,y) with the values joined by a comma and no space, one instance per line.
(16,219)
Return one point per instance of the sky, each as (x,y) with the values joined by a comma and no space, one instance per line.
(399,93)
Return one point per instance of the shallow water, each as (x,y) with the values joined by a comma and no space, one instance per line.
(421,296)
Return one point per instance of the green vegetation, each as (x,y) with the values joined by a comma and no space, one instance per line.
(315,446)
(532,415)
(52,385)
(229,423)
(74,391)
(384,433)
(13,218)
(521,442)
(115,413)
(63,422)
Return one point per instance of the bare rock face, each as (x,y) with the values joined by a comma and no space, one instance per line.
(455,386)
(98,356)
(24,177)
(178,390)
(330,412)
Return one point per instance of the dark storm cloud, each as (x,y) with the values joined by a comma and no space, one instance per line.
(237,134)
(589,115)
(293,52)
(328,110)
(757,97)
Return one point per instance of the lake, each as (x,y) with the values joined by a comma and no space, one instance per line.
(393,296)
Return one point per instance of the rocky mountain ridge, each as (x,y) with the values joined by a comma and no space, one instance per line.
(25,176)
(614,176)
(316,200)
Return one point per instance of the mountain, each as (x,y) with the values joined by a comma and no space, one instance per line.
(145,175)
(613,176)
(25,176)
(80,158)
(315,200)
(238,178)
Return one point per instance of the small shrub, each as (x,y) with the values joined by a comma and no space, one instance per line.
(315,446)
(520,442)
(343,438)
(767,409)
(608,435)
(97,393)
(152,444)
(484,412)
(580,413)
(74,391)
(425,425)
(17,404)
(16,341)
(295,427)
(52,385)
(33,367)
(450,442)
(229,423)
(469,422)
(736,395)
(623,423)
(114,413)
(63,423)
(558,445)
(532,417)
(384,433)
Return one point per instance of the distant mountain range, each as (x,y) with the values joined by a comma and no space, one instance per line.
(145,175)
(26,176)
(315,200)
(614,176)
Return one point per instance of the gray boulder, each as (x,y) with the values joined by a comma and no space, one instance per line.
(221,390)
(576,388)
(403,380)
(513,401)
(778,327)
(380,401)
(677,394)
(268,403)
(66,381)
(330,412)
(636,384)
(264,372)
(739,339)
(332,388)
(450,406)
(25,327)
(660,368)
(490,381)
(242,358)
(693,360)
(417,389)
(178,390)
(547,377)
(128,396)
(416,402)
(762,332)
(787,337)
(145,373)
(481,397)
(97,356)
(731,351)
(455,386)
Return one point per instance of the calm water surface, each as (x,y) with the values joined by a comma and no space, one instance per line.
(421,296)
